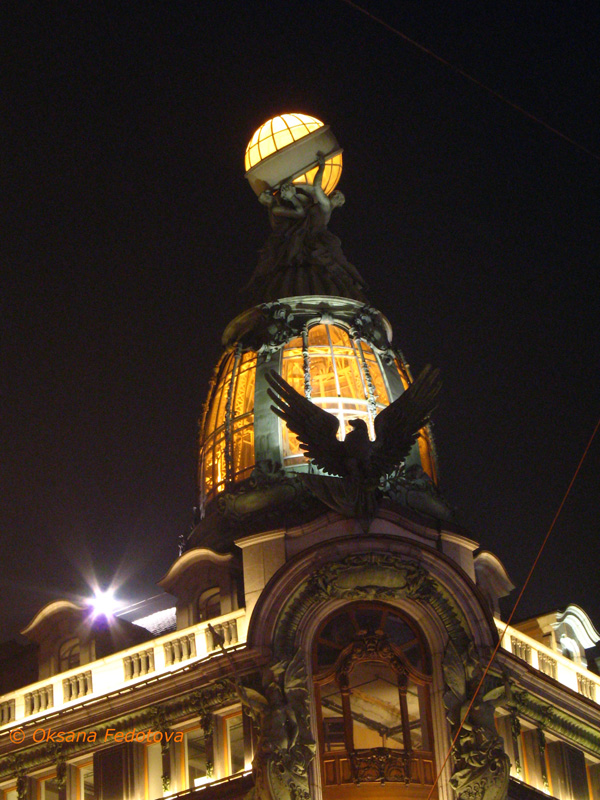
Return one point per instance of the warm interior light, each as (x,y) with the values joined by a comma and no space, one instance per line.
(104,604)
(278,133)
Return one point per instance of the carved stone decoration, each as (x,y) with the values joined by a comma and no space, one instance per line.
(369,576)
(481,767)
(413,488)
(285,746)
(515,732)
(382,577)
(368,324)
(380,764)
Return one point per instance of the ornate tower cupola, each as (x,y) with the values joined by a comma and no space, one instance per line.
(309,321)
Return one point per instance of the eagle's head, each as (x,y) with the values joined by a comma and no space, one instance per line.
(358,425)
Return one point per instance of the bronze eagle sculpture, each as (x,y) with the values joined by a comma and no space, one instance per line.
(360,462)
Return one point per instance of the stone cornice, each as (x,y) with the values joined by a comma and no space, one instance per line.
(178,695)
(551,705)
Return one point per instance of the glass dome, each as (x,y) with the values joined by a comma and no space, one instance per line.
(281,131)
(339,372)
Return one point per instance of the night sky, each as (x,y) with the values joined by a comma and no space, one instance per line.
(127,229)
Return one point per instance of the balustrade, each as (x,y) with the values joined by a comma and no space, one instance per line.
(137,664)
(77,686)
(39,700)
(180,649)
(227,630)
(7,712)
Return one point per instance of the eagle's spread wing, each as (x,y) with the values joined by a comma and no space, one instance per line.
(397,426)
(315,428)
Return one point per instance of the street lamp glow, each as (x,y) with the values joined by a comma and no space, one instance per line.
(104,604)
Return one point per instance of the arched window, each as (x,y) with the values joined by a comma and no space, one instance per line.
(227,435)
(209,604)
(341,375)
(68,655)
(372,691)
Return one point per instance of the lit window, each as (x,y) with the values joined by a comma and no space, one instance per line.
(227,438)
(48,788)
(153,763)
(233,736)
(344,378)
(373,696)
(68,655)
(85,776)
(9,794)
(197,760)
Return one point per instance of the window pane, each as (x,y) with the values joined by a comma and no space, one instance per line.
(243,447)
(413,654)
(368,619)
(154,770)
(87,782)
(381,394)
(418,731)
(375,706)
(340,631)
(68,655)
(333,720)
(235,743)
(292,365)
(196,757)
(398,631)
(49,789)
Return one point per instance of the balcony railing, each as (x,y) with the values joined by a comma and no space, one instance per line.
(551,663)
(39,700)
(120,670)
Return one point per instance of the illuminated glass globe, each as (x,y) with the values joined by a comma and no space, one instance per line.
(290,142)
(341,372)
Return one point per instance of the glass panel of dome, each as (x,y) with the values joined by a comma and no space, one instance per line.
(243,395)
(214,397)
(425,455)
(331,174)
(291,448)
(243,447)
(349,375)
(292,365)
(317,336)
(266,147)
(381,394)
(278,124)
(219,466)
(283,138)
(338,336)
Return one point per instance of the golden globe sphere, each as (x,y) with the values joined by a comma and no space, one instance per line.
(279,140)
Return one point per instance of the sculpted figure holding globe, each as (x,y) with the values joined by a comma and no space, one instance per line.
(301,256)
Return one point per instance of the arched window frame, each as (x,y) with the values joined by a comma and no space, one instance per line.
(368,370)
(205,600)
(69,655)
(227,428)
(375,764)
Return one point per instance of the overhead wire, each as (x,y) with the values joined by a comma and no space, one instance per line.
(517,601)
(463,73)
(595,156)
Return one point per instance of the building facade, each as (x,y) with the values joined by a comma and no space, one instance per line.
(319,636)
